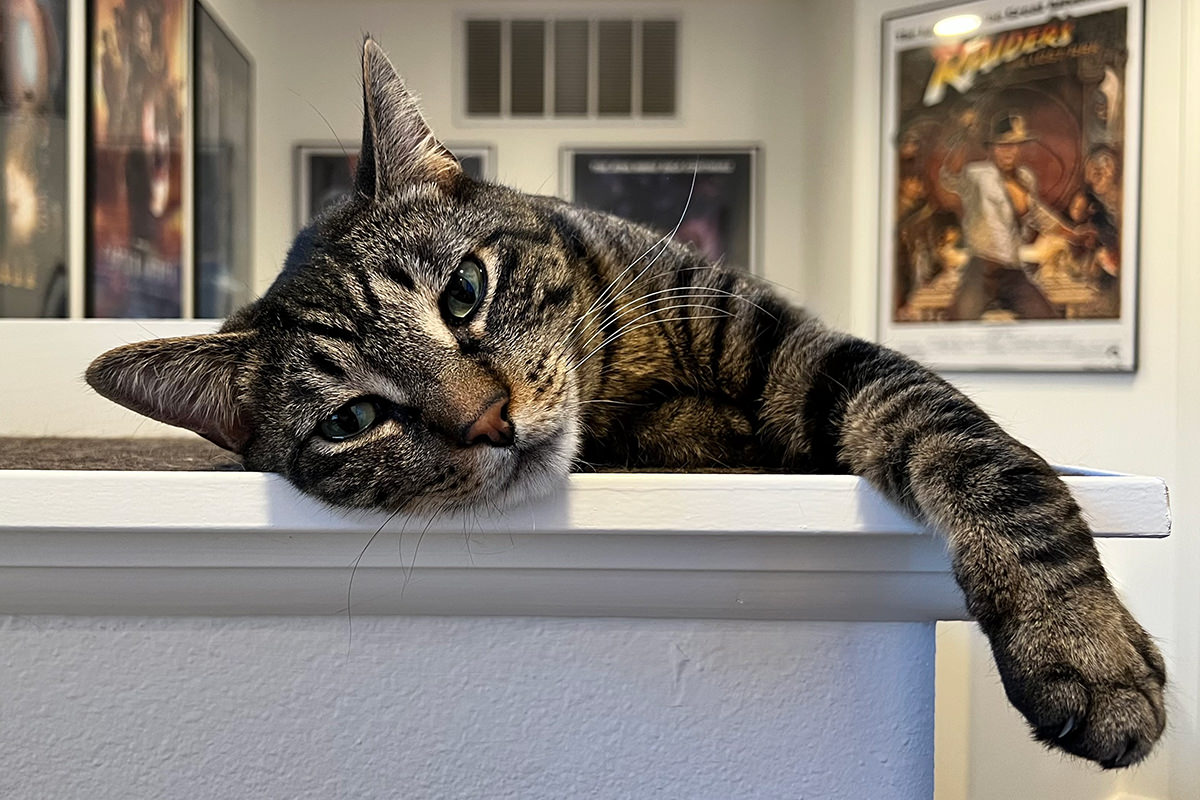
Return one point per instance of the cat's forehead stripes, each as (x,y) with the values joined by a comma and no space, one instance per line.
(394,270)
(327,362)
(358,283)
(391,289)
(531,234)
(329,326)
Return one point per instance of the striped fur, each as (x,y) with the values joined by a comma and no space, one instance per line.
(611,345)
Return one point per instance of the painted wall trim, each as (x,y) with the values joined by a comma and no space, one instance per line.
(646,545)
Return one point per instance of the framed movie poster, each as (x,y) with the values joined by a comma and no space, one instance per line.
(1010,176)
(33,148)
(136,152)
(708,196)
(325,172)
(223,232)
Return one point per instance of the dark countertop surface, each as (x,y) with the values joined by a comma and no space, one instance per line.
(171,455)
(181,454)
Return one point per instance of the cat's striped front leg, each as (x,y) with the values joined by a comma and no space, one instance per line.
(1073,660)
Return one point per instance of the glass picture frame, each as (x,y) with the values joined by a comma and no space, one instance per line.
(1010,185)
(224,216)
(704,194)
(137,145)
(33,146)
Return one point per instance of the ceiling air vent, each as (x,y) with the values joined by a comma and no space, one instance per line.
(570,68)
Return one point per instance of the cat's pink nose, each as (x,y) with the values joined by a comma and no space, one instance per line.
(493,426)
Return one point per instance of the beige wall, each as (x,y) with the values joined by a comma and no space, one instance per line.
(1184,577)
(740,60)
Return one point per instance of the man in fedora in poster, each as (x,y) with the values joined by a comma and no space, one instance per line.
(999,201)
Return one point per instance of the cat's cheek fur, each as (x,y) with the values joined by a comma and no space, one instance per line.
(384,472)
(539,411)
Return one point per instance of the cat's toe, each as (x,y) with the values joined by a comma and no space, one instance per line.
(1098,695)
(1113,725)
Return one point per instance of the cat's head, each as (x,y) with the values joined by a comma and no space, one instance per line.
(411,353)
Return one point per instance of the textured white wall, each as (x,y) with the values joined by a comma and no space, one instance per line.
(462,708)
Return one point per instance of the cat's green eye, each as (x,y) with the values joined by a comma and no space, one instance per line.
(464,292)
(357,416)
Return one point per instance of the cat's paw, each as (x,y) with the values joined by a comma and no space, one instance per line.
(1089,683)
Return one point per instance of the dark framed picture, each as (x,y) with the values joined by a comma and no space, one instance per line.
(137,147)
(1010,179)
(478,160)
(707,196)
(325,172)
(224,230)
(33,147)
(324,176)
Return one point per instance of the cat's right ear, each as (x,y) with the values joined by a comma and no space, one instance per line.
(187,381)
(398,147)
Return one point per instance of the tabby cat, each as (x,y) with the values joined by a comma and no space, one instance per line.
(438,343)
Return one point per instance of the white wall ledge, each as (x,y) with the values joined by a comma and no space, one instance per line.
(645,545)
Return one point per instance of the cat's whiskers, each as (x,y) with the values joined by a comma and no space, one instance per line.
(625,325)
(610,402)
(648,266)
(709,267)
(437,512)
(650,304)
(645,324)
(596,306)
(400,543)
(474,520)
(350,583)
(704,267)
(699,288)
(329,125)
(693,293)
(627,330)
(665,241)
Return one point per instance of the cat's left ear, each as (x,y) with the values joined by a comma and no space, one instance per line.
(398,148)
(188,381)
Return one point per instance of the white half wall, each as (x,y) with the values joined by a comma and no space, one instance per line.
(432,708)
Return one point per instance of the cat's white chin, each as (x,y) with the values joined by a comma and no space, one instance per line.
(539,468)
